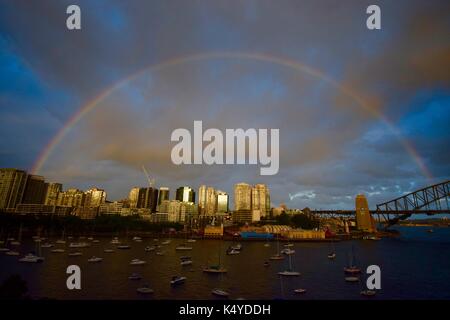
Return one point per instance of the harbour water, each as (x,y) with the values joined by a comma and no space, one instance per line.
(415,265)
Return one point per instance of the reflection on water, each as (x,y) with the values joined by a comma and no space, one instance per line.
(414,266)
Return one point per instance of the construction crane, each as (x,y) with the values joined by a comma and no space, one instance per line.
(151,182)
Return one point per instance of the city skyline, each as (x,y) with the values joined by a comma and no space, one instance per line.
(359,111)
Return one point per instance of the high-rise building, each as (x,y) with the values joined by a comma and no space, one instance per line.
(211,201)
(53,191)
(164,193)
(12,186)
(261,199)
(185,194)
(177,210)
(202,200)
(364,220)
(143,198)
(152,199)
(222,202)
(242,196)
(133,196)
(71,198)
(35,190)
(94,197)
(207,200)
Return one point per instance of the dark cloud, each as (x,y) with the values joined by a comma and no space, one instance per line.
(331,146)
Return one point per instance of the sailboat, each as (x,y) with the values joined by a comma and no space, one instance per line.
(33,258)
(215,268)
(332,254)
(278,255)
(220,293)
(184,246)
(145,289)
(299,291)
(289,272)
(17,243)
(267,244)
(176,280)
(62,240)
(352,268)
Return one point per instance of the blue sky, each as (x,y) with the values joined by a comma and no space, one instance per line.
(331,149)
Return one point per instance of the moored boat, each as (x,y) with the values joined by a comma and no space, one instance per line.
(177,280)
(95,259)
(300,291)
(352,279)
(137,262)
(145,290)
(220,292)
(135,276)
(214,269)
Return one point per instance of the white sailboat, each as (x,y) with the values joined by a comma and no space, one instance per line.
(220,293)
(145,289)
(137,262)
(215,269)
(289,272)
(278,255)
(332,254)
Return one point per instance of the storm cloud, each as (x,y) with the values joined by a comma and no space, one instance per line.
(331,147)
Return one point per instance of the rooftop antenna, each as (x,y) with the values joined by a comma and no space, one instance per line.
(151,182)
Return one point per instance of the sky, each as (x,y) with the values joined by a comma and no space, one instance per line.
(346,127)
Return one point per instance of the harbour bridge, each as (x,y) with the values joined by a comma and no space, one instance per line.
(430,200)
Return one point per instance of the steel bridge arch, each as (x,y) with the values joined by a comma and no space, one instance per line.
(420,200)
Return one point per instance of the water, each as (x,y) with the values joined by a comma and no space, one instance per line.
(415,265)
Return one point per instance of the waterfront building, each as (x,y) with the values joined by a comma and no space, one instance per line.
(256,215)
(261,199)
(202,200)
(303,234)
(43,209)
(71,198)
(222,202)
(364,220)
(143,198)
(276,229)
(94,197)
(242,197)
(85,213)
(176,210)
(53,190)
(211,231)
(207,200)
(211,201)
(111,208)
(185,194)
(133,197)
(35,190)
(242,216)
(12,186)
(160,217)
(164,193)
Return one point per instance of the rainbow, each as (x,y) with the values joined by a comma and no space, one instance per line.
(288,63)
